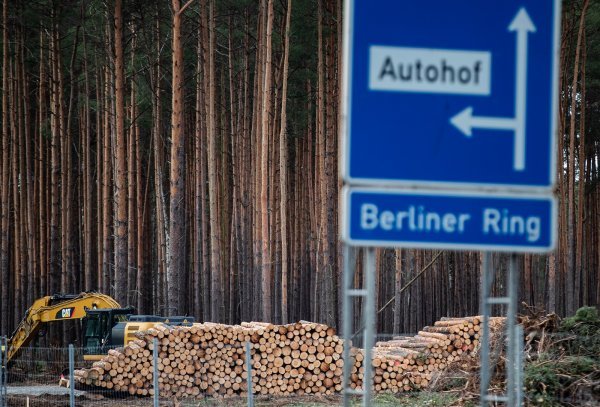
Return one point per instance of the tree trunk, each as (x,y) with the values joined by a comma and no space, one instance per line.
(158,150)
(132,226)
(55,260)
(397,291)
(106,189)
(89,281)
(572,283)
(121,271)
(266,267)
(4,191)
(217,304)
(283,162)
(41,173)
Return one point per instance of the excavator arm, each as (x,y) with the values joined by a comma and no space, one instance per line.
(54,308)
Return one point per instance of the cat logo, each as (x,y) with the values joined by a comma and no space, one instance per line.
(65,313)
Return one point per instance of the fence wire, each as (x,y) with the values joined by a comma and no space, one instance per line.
(40,377)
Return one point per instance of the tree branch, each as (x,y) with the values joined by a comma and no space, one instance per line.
(424,269)
(186,5)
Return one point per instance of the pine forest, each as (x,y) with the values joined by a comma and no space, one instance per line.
(183,157)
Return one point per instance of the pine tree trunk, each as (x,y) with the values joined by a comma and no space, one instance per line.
(199,226)
(18,252)
(132,226)
(581,285)
(100,135)
(158,150)
(106,189)
(572,276)
(266,267)
(71,221)
(323,277)
(55,259)
(397,291)
(4,191)
(204,86)
(217,304)
(283,162)
(26,178)
(90,282)
(41,173)
(121,228)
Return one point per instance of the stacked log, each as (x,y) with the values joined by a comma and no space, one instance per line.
(303,358)
(209,359)
(408,363)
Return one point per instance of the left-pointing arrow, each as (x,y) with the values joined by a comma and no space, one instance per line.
(465,122)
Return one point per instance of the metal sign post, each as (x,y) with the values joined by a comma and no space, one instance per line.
(514,335)
(347,316)
(368,317)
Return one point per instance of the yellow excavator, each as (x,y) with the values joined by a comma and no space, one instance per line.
(104,323)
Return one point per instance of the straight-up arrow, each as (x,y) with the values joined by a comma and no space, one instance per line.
(522,24)
(465,121)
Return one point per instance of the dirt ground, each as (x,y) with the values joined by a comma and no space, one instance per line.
(45,396)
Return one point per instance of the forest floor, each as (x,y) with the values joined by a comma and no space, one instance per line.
(49,399)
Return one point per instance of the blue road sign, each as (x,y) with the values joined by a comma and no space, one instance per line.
(451,93)
(449,220)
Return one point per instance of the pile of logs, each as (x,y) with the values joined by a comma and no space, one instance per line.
(303,358)
(209,359)
(409,363)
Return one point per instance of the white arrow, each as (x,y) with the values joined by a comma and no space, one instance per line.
(465,121)
(522,24)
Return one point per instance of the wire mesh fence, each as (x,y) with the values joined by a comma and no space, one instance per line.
(40,377)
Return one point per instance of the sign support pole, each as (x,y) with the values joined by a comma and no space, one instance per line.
(369,323)
(484,374)
(512,366)
(514,335)
(368,293)
(347,317)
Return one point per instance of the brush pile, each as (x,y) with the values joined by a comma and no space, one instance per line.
(561,362)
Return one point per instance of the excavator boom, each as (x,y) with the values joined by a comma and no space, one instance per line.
(54,308)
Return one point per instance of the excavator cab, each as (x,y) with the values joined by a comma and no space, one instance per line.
(98,329)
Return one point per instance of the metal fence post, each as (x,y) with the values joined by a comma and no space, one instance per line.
(71,375)
(155,371)
(3,349)
(5,378)
(249,375)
